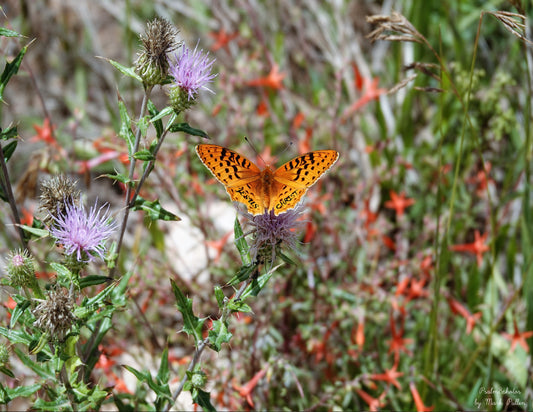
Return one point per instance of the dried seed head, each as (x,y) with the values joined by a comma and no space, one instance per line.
(158,40)
(395,23)
(56,194)
(55,314)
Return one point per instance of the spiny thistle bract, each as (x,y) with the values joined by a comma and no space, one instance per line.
(56,193)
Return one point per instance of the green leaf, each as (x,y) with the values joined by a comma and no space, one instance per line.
(15,336)
(219,295)
(17,312)
(191,324)
(240,242)
(203,399)
(186,128)
(125,126)
(165,112)
(10,133)
(154,210)
(243,273)
(7,371)
(287,259)
(239,306)
(23,391)
(9,33)
(163,373)
(144,155)
(39,233)
(119,178)
(9,149)
(127,71)
(44,370)
(93,280)
(10,70)
(219,334)
(158,124)
(257,285)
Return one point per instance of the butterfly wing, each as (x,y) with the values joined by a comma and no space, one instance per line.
(297,175)
(239,175)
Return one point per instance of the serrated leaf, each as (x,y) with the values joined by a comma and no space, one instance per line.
(191,324)
(154,210)
(23,391)
(15,336)
(240,242)
(186,128)
(10,70)
(127,71)
(219,334)
(42,370)
(125,127)
(9,149)
(203,399)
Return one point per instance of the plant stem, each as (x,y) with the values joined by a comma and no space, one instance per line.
(130,180)
(6,186)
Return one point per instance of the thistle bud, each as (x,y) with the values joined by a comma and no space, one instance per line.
(20,268)
(198,379)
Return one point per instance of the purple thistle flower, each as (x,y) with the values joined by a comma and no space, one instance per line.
(192,71)
(271,231)
(83,234)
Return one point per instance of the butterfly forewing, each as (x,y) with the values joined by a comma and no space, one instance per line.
(239,175)
(298,175)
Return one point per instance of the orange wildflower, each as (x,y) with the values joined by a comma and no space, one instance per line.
(222,39)
(273,80)
(420,407)
(374,404)
(246,390)
(398,202)
(477,247)
(518,337)
(471,320)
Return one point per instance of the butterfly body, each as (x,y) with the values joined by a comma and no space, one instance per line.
(265,190)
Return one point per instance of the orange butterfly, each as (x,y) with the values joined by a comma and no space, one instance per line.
(265,190)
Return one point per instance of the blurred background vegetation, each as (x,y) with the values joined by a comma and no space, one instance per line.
(384,304)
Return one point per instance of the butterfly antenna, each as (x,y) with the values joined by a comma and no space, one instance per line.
(257,155)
